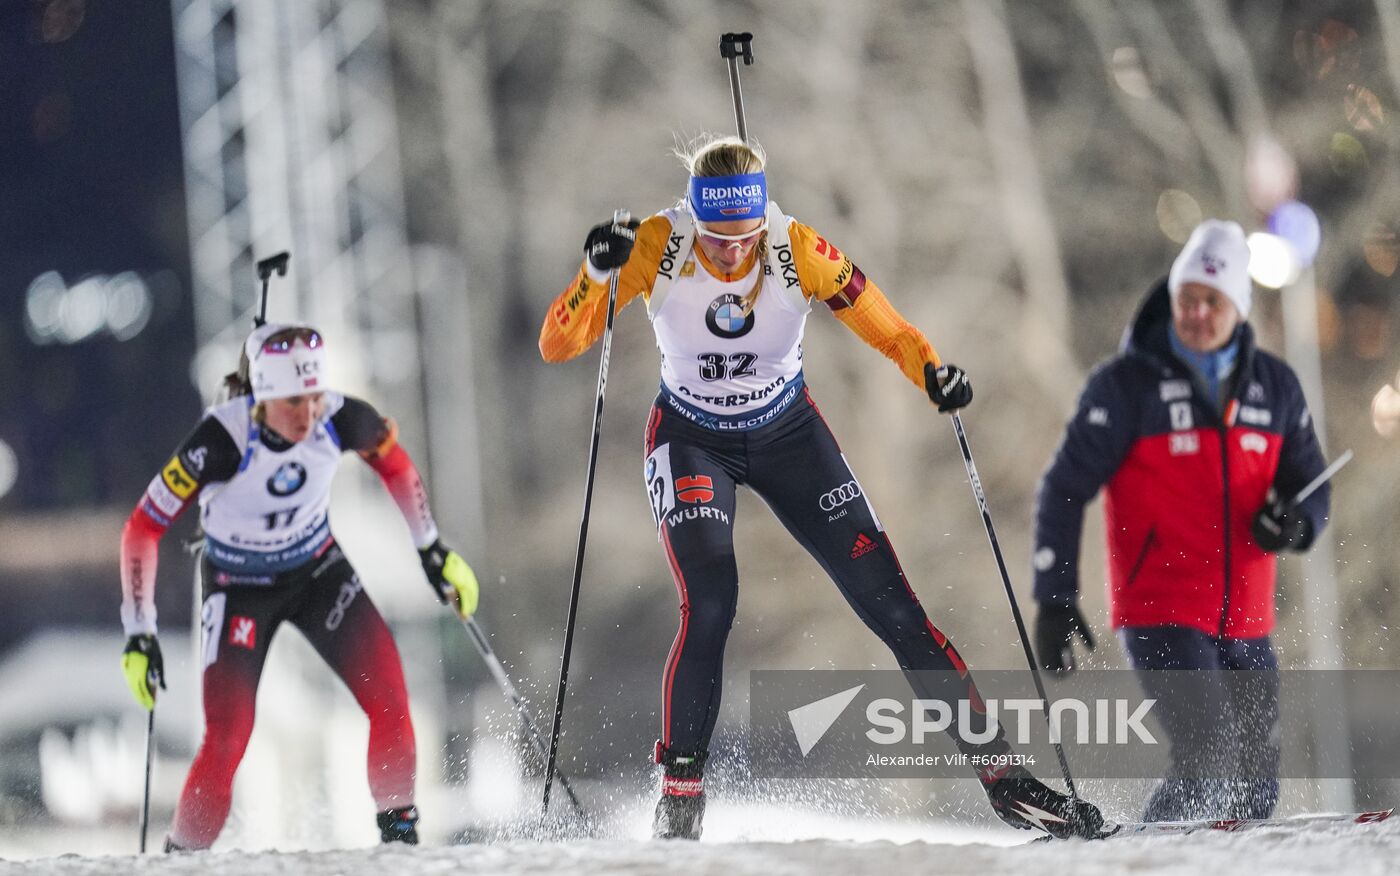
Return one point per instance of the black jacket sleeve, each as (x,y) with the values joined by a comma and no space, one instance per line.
(359,426)
(1094,445)
(209,453)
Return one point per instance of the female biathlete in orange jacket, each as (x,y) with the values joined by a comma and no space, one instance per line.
(260,466)
(728,281)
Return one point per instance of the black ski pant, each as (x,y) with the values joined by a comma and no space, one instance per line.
(1221,716)
(796,467)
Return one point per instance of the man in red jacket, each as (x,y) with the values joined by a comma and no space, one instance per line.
(1199,439)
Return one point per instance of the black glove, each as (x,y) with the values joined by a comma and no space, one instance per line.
(608,245)
(143,668)
(1277,526)
(948,387)
(1055,627)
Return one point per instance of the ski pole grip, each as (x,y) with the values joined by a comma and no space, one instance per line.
(737,45)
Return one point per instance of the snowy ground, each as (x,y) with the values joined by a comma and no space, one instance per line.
(1362,849)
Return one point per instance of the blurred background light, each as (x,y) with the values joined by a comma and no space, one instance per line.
(1296,223)
(1271,174)
(1385,411)
(1363,108)
(1128,74)
(9,468)
(55,313)
(1381,249)
(1273,263)
(128,305)
(61,20)
(1177,214)
(1347,156)
(1325,51)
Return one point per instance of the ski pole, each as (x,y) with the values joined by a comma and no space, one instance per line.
(732,47)
(150,756)
(266,267)
(498,672)
(1010,594)
(1318,481)
(620,217)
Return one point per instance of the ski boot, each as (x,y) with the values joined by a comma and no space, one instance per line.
(682,804)
(399,825)
(1023,801)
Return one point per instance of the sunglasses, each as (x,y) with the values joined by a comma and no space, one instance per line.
(720,241)
(284,340)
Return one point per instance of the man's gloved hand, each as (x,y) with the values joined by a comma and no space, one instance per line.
(1055,628)
(144,668)
(450,577)
(947,387)
(609,245)
(1277,527)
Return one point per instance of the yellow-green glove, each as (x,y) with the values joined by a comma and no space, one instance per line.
(144,668)
(450,577)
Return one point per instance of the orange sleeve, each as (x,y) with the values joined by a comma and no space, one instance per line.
(829,276)
(577,317)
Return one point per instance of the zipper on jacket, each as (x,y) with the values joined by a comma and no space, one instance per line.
(1142,556)
(1225,471)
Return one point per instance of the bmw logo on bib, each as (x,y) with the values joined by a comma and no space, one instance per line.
(289,477)
(725,317)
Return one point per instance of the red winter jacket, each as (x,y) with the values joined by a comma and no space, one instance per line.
(1183,484)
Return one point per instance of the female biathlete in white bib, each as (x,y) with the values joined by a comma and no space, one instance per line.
(728,282)
(261,467)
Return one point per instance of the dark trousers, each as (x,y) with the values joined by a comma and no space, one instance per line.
(1222,721)
(795,465)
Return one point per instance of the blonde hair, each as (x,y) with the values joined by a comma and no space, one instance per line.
(710,155)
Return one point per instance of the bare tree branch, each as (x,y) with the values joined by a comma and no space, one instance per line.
(1030,229)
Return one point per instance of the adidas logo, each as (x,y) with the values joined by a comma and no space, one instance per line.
(862,546)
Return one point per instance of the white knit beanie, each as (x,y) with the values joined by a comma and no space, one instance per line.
(1217,256)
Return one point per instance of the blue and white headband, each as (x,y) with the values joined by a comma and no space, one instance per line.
(727,198)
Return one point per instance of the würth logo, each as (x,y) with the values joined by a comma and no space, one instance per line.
(826,249)
(243,632)
(697,488)
(862,546)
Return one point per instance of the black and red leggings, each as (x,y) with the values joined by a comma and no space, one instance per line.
(795,465)
(326,602)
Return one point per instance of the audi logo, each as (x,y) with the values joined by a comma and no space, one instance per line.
(839,496)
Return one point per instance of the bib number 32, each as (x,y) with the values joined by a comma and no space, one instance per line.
(717,366)
(661,490)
